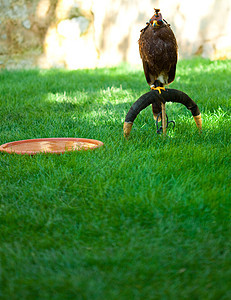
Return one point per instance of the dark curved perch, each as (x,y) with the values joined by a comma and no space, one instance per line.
(155,98)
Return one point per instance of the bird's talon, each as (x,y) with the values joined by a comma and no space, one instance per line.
(159,88)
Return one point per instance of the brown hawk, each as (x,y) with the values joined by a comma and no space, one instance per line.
(158,51)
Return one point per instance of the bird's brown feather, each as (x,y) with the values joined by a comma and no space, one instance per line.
(158,51)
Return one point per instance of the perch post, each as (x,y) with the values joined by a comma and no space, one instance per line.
(164,125)
(158,105)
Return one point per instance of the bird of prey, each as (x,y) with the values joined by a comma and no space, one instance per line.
(158,51)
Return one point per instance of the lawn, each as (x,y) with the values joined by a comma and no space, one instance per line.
(147,218)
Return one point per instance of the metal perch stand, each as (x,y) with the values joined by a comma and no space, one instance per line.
(158,106)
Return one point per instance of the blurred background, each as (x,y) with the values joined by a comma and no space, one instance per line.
(94,33)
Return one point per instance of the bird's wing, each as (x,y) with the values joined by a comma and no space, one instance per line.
(149,56)
(146,71)
(171,74)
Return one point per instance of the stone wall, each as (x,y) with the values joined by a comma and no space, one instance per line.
(89,33)
(201,27)
(22,30)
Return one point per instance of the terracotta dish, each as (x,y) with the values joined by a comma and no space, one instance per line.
(50,145)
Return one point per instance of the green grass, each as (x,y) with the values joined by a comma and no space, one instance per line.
(147,218)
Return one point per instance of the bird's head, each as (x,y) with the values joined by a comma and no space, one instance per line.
(156,20)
